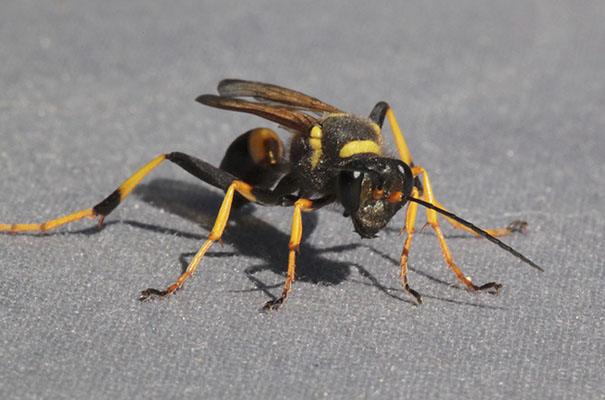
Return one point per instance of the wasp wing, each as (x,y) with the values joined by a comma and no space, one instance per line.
(273,94)
(295,120)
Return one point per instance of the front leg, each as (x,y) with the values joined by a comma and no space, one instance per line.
(431,215)
(410,220)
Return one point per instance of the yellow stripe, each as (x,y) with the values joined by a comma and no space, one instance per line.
(359,146)
(376,128)
(315,143)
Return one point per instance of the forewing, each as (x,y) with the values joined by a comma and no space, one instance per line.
(274,95)
(289,118)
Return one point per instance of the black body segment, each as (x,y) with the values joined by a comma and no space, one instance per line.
(379,112)
(202,170)
(223,180)
(255,157)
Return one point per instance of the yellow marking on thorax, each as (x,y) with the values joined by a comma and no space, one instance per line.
(376,128)
(359,146)
(315,143)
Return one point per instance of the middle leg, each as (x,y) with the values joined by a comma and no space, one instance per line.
(410,220)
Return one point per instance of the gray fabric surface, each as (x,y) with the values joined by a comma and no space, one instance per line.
(502,102)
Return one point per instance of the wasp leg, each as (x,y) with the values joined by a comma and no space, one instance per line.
(198,168)
(432,220)
(280,196)
(219,226)
(299,205)
(410,218)
(215,234)
(100,210)
(45,226)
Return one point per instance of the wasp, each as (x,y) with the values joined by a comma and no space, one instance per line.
(333,157)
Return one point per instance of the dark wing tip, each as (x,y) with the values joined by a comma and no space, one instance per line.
(242,88)
(228,82)
(207,99)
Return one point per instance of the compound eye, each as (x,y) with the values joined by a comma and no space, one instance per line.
(349,188)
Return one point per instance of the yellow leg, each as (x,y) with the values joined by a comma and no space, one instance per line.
(402,147)
(434,223)
(300,205)
(43,227)
(215,234)
(101,209)
(410,219)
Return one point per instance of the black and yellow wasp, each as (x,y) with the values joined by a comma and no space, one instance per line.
(333,157)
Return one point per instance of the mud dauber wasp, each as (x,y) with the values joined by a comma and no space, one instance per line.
(333,157)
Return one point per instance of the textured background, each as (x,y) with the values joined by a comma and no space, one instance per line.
(502,102)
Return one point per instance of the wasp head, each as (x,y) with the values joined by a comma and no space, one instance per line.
(372,190)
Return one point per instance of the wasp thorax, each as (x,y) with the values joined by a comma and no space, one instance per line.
(372,190)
